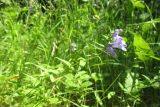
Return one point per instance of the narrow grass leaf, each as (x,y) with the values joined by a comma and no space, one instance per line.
(65,62)
(98,99)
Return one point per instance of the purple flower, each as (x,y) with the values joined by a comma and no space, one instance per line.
(116,43)
(111,51)
(117,32)
(119,43)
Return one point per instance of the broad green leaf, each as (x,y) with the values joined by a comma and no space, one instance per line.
(128,83)
(142,49)
(144,16)
(137,3)
(137,87)
(2,78)
(54,100)
(52,78)
(80,73)
(84,77)
(69,76)
(156,83)
(94,76)
(132,84)
(86,84)
(82,62)
(70,81)
(146,27)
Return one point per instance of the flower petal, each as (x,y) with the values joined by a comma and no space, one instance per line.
(111,51)
(117,32)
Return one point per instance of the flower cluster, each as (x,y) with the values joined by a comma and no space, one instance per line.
(117,42)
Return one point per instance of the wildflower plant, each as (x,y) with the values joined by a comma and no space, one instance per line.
(59,60)
(117,42)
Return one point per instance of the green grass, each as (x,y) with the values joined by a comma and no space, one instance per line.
(38,67)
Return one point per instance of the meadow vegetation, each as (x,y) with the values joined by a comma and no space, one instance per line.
(56,55)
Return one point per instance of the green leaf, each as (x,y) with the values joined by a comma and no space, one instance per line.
(85,0)
(2,78)
(65,62)
(121,86)
(142,49)
(94,76)
(70,81)
(137,3)
(128,83)
(6,1)
(82,62)
(146,27)
(156,83)
(82,75)
(54,100)
(154,57)
(69,76)
(52,78)
(157,19)
(132,84)
(111,94)
(98,99)
(86,84)
(144,16)
(84,106)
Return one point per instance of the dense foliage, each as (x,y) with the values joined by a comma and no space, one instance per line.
(53,53)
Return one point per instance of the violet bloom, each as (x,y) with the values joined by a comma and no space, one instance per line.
(111,51)
(116,43)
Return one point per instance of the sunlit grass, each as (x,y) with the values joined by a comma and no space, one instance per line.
(59,58)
